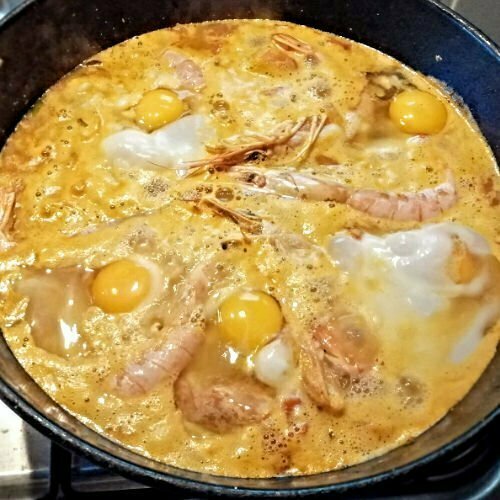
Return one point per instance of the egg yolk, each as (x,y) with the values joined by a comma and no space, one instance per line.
(463,265)
(157,108)
(249,319)
(417,112)
(120,286)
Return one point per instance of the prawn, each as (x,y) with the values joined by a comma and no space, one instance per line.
(292,245)
(363,121)
(222,406)
(410,206)
(187,71)
(347,343)
(165,363)
(387,83)
(229,154)
(316,125)
(248,222)
(253,227)
(7,204)
(169,360)
(288,43)
(337,350)
(320,382)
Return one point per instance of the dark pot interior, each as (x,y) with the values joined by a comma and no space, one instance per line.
(50,37)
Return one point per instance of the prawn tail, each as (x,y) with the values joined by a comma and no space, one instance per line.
(418,206)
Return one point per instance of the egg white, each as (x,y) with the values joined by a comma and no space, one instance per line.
(410,266)
(272,364)
(401,279)
(157,276)
(168,147)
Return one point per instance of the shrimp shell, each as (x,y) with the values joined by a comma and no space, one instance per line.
(7,204)
(418,206)
(222,406)
(169,360)
(320,383)
(164,363)
(289,43)
(229,155)
(412,206)
(187,71)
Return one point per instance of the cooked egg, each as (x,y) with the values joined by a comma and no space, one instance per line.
(426,290)
(272,363)
(410,269)
(485,317)
(168,147)
(417,112)
(249,319)
(55,323)
(157,108)
(124,285)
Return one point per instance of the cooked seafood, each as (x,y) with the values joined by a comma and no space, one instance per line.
(165,363)
(257,144)
(249,248)
(7,202)
(417,206)
(289,43)
(182,341)
(188,72)
(223,406)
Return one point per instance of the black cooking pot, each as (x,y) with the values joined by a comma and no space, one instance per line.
(45,39)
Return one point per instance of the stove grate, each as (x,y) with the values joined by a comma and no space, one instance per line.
(471,472)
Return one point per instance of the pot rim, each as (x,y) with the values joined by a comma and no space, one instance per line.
(147,475)
(58,434)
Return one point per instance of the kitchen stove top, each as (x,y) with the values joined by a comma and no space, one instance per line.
(31,467)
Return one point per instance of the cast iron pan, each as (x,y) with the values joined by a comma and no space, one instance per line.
(45,39)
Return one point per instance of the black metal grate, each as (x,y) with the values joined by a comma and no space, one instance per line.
(471,472)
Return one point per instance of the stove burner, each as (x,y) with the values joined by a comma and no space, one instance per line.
(469,472)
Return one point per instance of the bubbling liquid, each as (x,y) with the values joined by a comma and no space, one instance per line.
(250,248)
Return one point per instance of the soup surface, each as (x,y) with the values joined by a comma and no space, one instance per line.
(250,248)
